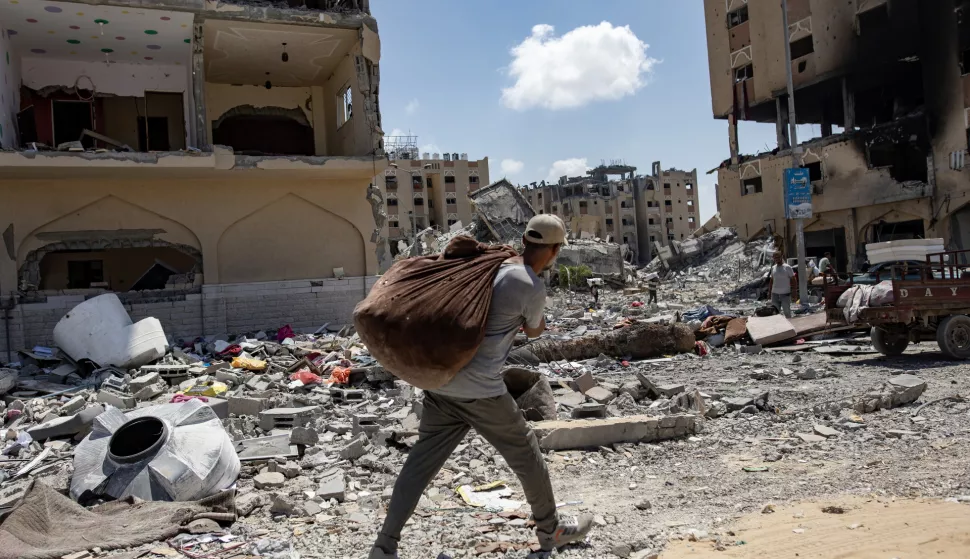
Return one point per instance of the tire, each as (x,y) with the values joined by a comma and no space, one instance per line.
(953,335)
(889,343)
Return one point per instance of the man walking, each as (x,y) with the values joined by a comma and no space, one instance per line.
(477,398)
(652,285)
(781,275)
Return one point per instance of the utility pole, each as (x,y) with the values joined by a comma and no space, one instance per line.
(795,151)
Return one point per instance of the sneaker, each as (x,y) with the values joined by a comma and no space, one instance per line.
(378,553)
(570,529)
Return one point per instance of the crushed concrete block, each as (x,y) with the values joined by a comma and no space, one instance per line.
(766,330)
(285,418)
(73,405)
(365,423)
(332,486)
(589,411)
(259,383)
(282,504)
(290,469)
(355,449)
(635,389)
(600,395)
(117,399)
(151,391)
(241,405)
(906,389)
(593,433)
(67,426)
(144,380)
(304,435)
(269,480)
(571,399)
(246,504)
(346,395)
(734,404)
(670,390)
(584,382)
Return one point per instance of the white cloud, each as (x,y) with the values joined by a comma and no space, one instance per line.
(429,149)
(589,63)
(412,107)
(574,167)
(396,132)
(511,167)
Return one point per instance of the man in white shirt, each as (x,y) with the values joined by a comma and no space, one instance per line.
(781,274)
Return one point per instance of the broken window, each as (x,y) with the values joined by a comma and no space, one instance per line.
(668,204)
(670,220)
(390,182)
(737,17)
(392,201)
(666,186)
(690,203)
(429,182)
(261,134)
(690,221)
(653,239)
(555,209)
(619,188)
(416,182)
(802,47)
(625,222)
(419,201)
(814,171)
(874,20)
(153,133)
(689,186)
(394,224)
(751,186)
(451,200)
(71,118)
(670,236)
(905,161)
(741,74)
(622,204)
(650,186)
(650,221)
(452,222)
(609,222)
(82,273)
(345,106)
(539,196)
(449,179)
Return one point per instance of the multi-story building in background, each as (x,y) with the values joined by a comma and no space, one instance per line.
(207,161)
(424,190)
(613,203)
(887,83)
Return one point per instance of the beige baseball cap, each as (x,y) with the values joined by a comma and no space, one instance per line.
(546,229)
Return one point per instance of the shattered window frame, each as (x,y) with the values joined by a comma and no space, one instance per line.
(738,17)
(744,73)
(449,179)
(802,47)
(390,182)
(346,100)
(755,182)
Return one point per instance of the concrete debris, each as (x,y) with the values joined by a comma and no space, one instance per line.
(579,434)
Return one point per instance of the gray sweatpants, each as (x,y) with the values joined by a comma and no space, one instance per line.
(782,302)
(444,423)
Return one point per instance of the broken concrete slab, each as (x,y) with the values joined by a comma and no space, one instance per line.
(669,390)
(571,399)
(269,480)
(906,389)
(151,391)
(304,436)
(600,395)
(593,433)
(584,382)
(117,399)
(826,431)
(144,380)
(355,449)
(766,330)
(66,426)
(332,486)
(242,405)
(810,438)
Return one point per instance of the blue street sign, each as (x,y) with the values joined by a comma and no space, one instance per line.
(798,194)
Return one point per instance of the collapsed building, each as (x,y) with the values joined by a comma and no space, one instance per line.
(886,83)
(426,190)
(198,159)
(641,213)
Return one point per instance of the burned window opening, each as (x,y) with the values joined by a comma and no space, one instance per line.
(814,171)
(70,119)
(83,274)
(264,134)
(874,20)
(751,186)
(390,183)
(153,134)
(392,201)
(802,47)
(449,179)
(906,162)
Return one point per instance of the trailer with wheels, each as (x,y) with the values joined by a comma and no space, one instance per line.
(933,306)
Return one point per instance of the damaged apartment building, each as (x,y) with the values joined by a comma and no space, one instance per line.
(426,190)
(613,203)
(198,159)
(887,83)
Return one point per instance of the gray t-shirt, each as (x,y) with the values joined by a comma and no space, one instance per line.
(781,275)
(518,297)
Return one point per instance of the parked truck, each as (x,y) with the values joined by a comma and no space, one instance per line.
(932,303)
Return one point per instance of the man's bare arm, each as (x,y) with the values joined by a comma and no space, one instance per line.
(537,331)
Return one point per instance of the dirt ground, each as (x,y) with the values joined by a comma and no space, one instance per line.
(867,529)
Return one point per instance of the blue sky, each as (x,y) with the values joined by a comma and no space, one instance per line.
(445,64)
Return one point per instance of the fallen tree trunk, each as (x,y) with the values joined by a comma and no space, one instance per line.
(639,341)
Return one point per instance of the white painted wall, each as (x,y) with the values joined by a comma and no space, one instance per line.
(9,91)
(131,80)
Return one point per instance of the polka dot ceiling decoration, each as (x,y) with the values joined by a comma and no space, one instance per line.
(35,27)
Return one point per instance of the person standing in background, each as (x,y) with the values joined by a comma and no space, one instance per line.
(781,275)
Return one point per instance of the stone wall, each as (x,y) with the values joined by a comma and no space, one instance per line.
(216,310)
